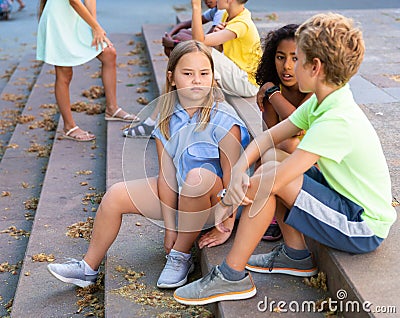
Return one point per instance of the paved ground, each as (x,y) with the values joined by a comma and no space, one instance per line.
(18,35)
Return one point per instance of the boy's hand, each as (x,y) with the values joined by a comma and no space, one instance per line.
(221,214)
(169,240)
(236,193)
(168,41)
(196,4)
(220,26)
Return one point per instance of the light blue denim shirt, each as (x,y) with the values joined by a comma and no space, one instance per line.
(191,149)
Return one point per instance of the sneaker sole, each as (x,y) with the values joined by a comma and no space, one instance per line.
(77,282)
(212,299)
(178,284)
(287,271)
(272,238)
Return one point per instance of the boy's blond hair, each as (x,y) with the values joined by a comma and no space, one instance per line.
(334,40)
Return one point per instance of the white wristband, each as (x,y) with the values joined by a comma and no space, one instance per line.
(270,96)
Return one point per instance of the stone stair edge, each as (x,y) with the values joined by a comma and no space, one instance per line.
(22,180)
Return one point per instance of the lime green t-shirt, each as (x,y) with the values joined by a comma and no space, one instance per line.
(351,156)
(245,49)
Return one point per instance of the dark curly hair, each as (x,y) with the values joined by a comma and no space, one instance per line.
(266,70)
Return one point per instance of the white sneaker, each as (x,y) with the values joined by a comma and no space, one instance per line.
(176,271)
(73,271)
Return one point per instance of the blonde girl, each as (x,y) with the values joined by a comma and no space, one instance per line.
(198,139)
(69,35)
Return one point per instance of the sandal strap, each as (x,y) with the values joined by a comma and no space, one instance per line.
(71,130)
(134,131)
(116,112)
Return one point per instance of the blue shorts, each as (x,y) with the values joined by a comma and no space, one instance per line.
(328,217)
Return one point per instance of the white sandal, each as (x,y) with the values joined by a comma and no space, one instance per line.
(78,137)
(128,117)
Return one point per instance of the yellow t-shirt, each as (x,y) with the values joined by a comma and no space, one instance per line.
(245,49)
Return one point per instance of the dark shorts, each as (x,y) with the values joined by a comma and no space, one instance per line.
(328,217)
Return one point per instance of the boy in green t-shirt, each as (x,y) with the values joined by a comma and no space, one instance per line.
(345,204)
(238,35)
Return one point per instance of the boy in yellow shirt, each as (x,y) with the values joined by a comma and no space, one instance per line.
(236,65)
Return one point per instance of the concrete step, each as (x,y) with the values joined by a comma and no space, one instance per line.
(62,203)
(18,82)
(7,68)
(22,172)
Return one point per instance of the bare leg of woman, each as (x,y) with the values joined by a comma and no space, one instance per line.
(137,196)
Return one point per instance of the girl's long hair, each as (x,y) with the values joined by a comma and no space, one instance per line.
(266,71)
(42,4)
(169,99)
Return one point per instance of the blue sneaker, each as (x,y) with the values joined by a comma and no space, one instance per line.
(176,271)
(73,271)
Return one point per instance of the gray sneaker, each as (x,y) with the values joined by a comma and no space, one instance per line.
(176,271)
(215,287)
(73,271)
(278,262)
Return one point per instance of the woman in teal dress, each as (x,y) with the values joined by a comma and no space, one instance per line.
(69,35)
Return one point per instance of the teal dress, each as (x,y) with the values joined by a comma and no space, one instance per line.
(64,38)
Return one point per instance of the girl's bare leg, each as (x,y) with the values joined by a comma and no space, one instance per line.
(251,229)
(198,195)
(61,89)
(137,196)
(108,60)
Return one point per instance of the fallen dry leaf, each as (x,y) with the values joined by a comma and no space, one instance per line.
(142,100)
(81,229)
(42,257)
(84,172)
(94,92)
(15,233)
(318,282)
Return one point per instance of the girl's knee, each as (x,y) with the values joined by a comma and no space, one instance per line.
(64,74)
(114,194)
(199,181)
(109,55)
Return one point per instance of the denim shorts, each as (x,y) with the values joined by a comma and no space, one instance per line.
(328,217)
